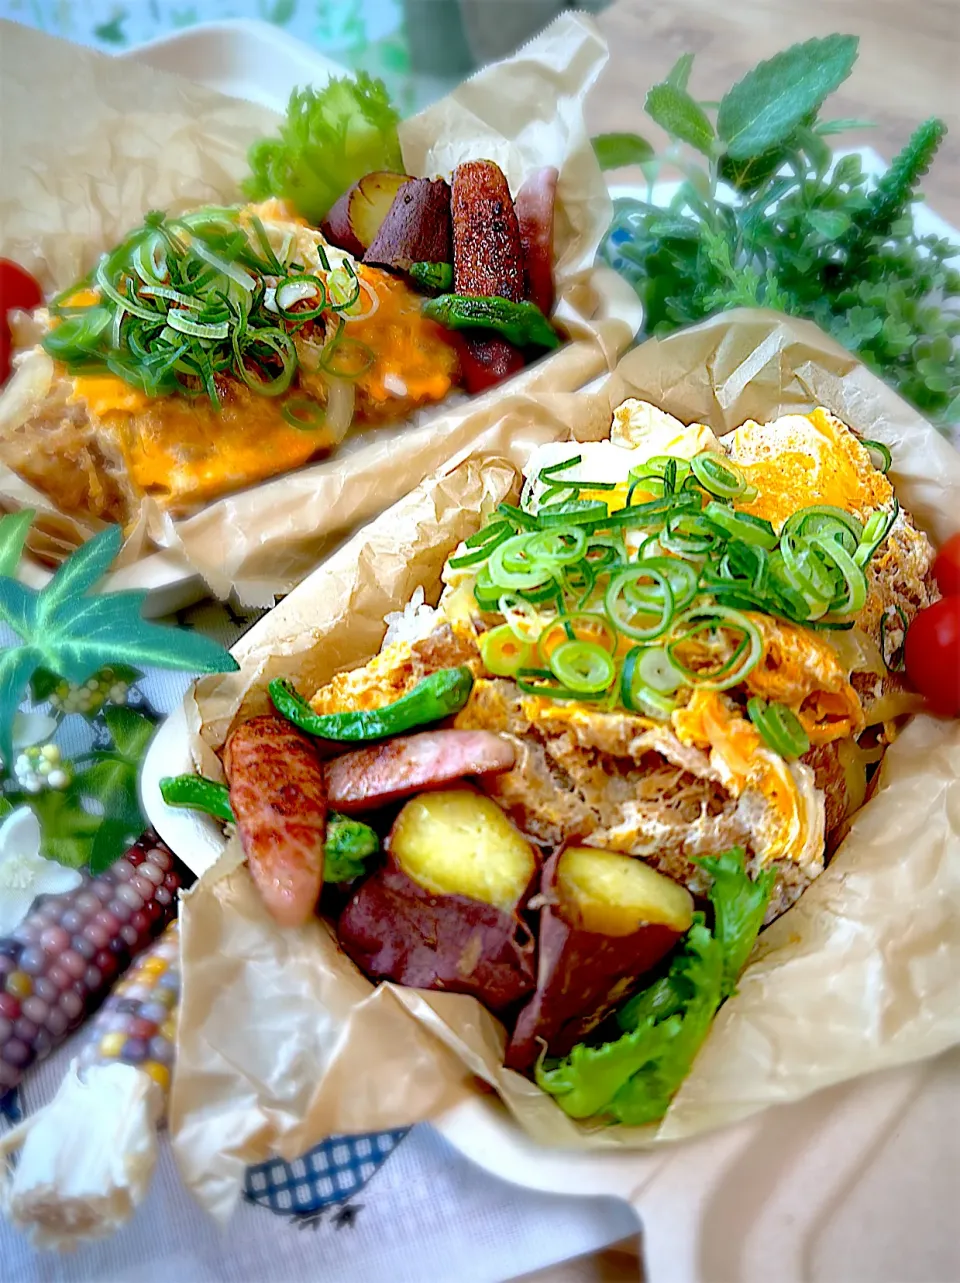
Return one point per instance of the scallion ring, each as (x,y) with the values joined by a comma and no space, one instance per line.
(648,620)
(502,651)
(883,453)
(779,726)
(717,476)
(690,626)
(583,666)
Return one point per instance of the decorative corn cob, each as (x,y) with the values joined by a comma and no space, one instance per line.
(137,1025)
(87,1158)
(59,962)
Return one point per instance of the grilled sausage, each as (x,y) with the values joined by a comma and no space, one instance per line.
(487,260)
(374,776)
(535,204)
(278,795)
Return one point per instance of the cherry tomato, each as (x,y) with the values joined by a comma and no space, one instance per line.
(18,289)
(932,655)
(946,568)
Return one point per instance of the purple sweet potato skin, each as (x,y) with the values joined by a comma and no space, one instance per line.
(394,929)
(417,228)
(581,977)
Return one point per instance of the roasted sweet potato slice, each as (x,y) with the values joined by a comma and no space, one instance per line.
(416,228)
(353,222)
(442,914)
(606,919)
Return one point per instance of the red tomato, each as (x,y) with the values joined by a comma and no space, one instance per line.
(18,289)
(932,655)
(946,568)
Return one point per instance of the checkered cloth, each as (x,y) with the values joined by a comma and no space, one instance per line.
(330,1173)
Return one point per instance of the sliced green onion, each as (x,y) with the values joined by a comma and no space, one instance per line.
(684,579)
(781,729)
(519,518)
(185,325)
(580,625)
(502,651)
(545,685)
(236,274)
(875,532)
(630,619)
(741,525)
(854,597)
(583,666)
(175,296)
(879,449)
(657,670)
(121,300)
(701,619)
(523,617)
(717,476)
(482,544)
(304,413)
(510,565)
(636,695)
(577,512)
(560,546)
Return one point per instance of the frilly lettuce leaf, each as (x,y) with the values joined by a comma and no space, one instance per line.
(633,1078)
(330,138)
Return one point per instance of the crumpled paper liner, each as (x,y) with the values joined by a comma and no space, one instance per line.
(109,139)
(282,1041)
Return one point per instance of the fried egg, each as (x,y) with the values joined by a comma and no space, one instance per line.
(804,459)
(777,800)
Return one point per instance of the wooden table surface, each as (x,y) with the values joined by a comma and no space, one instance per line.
(907,69)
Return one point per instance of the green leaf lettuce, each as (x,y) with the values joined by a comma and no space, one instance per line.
(329,138)
(633,1078)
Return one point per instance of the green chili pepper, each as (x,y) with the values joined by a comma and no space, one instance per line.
(199,794)
(437,277)
(437,696)
(522,324)
(349,843)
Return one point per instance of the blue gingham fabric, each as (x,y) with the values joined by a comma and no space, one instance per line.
(330,1173)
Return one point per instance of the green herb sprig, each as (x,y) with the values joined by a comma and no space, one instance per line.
(799,234)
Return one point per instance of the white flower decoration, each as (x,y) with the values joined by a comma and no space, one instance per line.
(24,873)
(30,729)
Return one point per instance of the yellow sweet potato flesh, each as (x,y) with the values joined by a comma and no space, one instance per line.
(459,842)
(615,894)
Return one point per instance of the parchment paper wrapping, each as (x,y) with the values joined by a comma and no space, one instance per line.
(282,1041)
(108,140)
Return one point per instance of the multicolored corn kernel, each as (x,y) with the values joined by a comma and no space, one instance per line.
(136,1026)
(59,963)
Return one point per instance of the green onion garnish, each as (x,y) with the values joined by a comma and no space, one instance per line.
(779,726)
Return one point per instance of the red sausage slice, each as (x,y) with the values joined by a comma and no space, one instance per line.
(535,204)
(374,776)
(278,795)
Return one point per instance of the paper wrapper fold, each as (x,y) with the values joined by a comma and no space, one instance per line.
(282,1041)
(109,140)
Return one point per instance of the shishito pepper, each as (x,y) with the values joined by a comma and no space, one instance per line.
(522,324)
(437,277)
(438,696)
